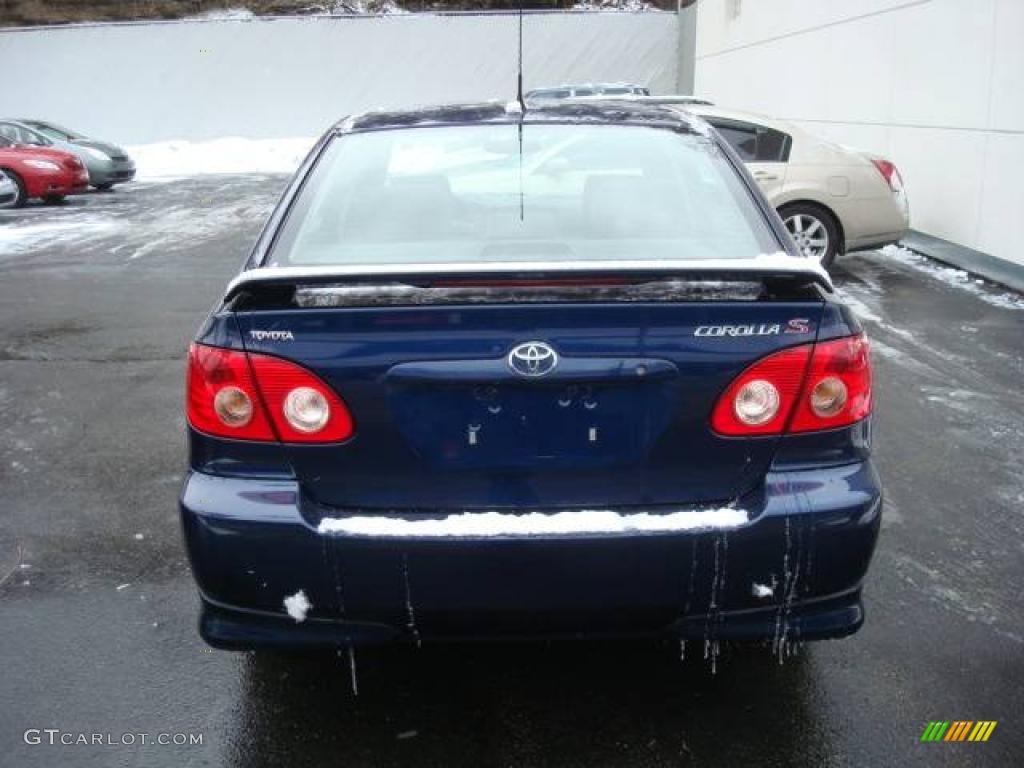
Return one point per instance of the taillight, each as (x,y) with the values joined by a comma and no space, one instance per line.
(220,382)
(801,389)
(889,173)
(783,372)
(304,408)
(248,396)
(838,389)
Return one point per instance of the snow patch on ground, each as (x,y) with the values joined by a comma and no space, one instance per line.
(223,14)
(168,160)
(21,237)
(632,6)
(335,8)
(864,312)
(957,278)
(359,8)
(501,524)
(298,606)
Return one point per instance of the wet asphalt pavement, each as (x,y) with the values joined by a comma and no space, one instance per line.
(98,300)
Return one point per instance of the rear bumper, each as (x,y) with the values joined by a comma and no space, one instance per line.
(796,569)
(869,242)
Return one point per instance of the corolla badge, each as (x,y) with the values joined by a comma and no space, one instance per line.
(534,358)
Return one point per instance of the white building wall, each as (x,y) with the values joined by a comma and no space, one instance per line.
(937,86)
(138,83)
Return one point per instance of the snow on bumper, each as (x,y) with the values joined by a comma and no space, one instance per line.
(483,525)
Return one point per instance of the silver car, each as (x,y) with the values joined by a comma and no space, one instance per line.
(8,191)
(107,163)
(587,90)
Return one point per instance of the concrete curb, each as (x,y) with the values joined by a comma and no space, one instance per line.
(976,262)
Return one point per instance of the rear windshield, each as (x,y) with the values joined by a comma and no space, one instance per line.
(477,194)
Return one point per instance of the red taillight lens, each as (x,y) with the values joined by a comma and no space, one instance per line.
(258,397)
(889,173)
(784,371)
(218,380)
(304,408)
(801,389)
(838,390)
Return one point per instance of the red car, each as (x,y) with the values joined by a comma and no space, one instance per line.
(49,174)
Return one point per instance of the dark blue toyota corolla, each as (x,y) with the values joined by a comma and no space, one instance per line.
(493,373)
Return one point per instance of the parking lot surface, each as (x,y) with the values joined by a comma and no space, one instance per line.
(98,301)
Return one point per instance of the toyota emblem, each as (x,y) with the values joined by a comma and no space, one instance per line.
(533,359)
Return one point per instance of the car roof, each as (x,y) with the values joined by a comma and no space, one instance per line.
(582,86)
(20,123)
(607,112)
(667,100)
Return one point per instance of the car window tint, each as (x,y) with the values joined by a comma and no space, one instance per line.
(52,132)
(742,139)
(21,135)
(754,143)
(772,146)
(465,193)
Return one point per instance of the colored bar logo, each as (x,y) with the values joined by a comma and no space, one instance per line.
(958,730)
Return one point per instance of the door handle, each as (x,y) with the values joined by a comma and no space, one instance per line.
(765,176)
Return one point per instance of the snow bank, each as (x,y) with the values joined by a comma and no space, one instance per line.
(957,278)
(223,14)
(494,524)
(632,6)
(298,606)
(173,159)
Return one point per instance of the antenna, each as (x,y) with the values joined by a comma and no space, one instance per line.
(522,114)
(519,89)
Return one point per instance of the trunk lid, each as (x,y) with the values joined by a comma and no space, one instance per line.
(444,420)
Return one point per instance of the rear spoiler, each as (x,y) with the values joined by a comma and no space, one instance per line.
(776,268)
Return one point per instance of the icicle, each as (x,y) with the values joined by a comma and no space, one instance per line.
(791,579)
(714,616)
(780,629)
(352,669)
(331,554)
(693,577)
(714,579)
(721,579)
(410,612)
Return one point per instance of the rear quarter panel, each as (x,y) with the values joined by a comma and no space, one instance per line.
(846,183)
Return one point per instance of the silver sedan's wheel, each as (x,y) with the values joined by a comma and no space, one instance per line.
(19,190)
(811,235)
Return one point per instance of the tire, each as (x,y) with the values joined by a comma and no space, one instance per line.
(104,187)
(814,230)
(21,196)
(54,199)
